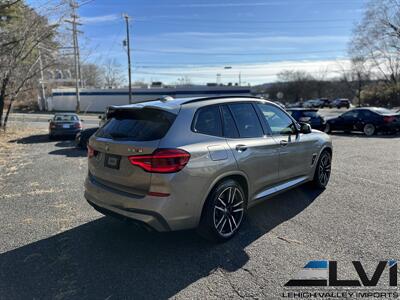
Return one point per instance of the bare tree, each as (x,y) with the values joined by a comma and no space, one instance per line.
(113,74)
(22,34)
(92,75)
(377,40)
(296,84)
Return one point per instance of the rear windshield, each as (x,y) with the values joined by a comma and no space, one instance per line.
(137,125)
(65,118)
(383,111)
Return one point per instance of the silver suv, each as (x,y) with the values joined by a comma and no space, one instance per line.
(200,163)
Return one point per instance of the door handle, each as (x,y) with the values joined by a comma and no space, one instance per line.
(283,143)
(241,148)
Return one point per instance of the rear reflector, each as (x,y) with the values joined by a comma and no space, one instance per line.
(162,161)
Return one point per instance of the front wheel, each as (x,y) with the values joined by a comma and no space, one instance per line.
(323,170)
(327,128)
(369,129)
(224,212)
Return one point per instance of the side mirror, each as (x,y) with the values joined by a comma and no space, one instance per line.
(305,128)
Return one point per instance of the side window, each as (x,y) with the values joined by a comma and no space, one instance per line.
(246,120)
(230,130)
(366,114)
(277,119)
(350,114)
(208,121)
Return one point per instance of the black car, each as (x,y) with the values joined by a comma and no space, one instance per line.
(339,103)
(82,138)
(369,120)
(324,102)
(308,115)
(64,124)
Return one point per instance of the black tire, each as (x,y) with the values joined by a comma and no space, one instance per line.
(369,129)
(218,210)
(327,128)
(323,170)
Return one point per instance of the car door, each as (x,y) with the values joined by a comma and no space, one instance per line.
(348,121)
(256,152)
(296,151)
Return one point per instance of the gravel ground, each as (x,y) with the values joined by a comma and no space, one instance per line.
(55,246)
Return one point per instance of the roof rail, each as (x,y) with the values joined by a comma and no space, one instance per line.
(221,97)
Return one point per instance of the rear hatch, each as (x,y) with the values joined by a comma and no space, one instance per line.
(128,132)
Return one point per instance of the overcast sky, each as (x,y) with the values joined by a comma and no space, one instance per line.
(198,38)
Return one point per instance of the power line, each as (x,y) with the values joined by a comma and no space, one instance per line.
(234,53)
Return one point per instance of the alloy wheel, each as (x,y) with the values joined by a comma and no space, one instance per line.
(228,211)
(369,129)
(324,169)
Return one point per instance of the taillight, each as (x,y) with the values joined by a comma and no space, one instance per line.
(162,161)
(389,119)
(91,152)
(52,125)
(78,125)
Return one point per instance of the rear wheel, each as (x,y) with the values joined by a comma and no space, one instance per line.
(323,170)
(224,212)
(369,129)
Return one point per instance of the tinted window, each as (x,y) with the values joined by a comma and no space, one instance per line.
(350,114)
(246,120)
(208,121)
(230,130)
(137,125)
(366,114)
(277,119)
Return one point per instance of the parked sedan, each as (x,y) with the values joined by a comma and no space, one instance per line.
(369,120)
(64,124)
(308,115)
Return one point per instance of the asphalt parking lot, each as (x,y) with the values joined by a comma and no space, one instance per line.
(55,246)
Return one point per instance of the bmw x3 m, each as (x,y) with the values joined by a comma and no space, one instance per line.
(200,163)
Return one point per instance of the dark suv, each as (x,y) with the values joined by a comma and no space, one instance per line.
(308,115)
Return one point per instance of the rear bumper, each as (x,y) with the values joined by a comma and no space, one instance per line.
(58,132)
(156,212)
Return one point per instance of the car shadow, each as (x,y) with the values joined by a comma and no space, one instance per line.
(39,139)
(70,152)
(109,260)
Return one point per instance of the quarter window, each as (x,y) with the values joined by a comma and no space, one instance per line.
(279,122)
(208,121)
(246,119)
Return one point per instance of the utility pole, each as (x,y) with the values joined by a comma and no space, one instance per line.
(75,31)
(128,45)
(240,78)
